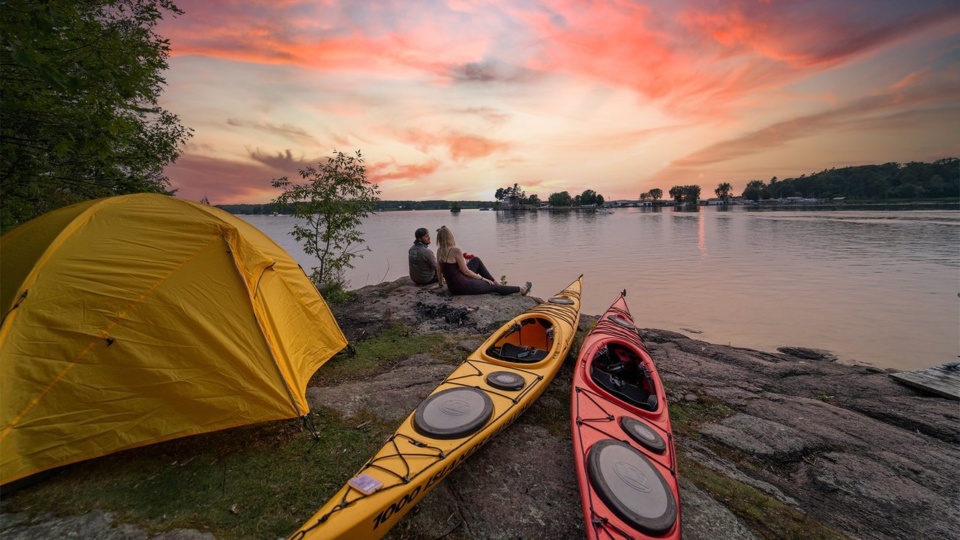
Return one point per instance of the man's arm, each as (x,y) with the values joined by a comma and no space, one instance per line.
(436,268)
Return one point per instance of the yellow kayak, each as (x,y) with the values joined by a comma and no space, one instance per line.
(487,392)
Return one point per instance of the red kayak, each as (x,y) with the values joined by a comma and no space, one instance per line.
(622,441)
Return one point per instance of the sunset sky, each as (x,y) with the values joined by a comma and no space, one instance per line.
(453,99)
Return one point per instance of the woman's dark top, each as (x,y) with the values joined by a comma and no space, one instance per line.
(460,283)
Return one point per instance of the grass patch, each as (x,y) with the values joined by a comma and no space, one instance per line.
(686,417)
(765,515)
(255,482)
(374,355)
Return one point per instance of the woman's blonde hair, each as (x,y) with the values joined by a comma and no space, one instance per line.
(445,241)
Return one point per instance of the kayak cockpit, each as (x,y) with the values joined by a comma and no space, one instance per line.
(528,341)
(618,370)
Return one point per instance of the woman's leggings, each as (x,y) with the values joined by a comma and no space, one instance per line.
(478,286)
(476,265)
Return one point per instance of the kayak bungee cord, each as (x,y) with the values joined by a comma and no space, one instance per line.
(479,373)
(601,523)
(437,457)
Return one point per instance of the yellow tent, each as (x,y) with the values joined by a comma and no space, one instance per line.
(143,318)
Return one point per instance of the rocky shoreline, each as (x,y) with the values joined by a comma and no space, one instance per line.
(844,446)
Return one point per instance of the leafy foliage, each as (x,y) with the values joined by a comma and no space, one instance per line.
(333,203)
(913,180)
(723,191)
(560,199)
(512,196)
(79,117)
(756,190)
(656,194)
(689,194)
(589,198)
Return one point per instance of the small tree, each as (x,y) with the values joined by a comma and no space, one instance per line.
(676,193)
(333,203)
(723,191)
(691,193)
(656,194)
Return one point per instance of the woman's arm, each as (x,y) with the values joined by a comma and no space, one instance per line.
(462,265)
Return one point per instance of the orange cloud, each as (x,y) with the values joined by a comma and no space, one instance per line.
(391,171)
(460,146)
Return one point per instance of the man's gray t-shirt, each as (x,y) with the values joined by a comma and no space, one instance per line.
(423,264)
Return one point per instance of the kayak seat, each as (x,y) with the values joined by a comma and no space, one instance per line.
(516,353)
(620,387)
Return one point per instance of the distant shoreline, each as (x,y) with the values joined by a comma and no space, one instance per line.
(769,204)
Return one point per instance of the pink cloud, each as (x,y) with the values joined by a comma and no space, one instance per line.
(221,181)
(707,55)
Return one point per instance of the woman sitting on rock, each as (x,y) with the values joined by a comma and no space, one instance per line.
(471,277)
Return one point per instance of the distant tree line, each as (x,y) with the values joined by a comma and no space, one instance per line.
(514,197)
(915,180)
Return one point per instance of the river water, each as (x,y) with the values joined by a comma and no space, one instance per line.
(874,287)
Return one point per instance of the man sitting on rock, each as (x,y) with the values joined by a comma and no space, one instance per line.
(423,264)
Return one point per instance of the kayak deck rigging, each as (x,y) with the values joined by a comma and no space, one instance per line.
(404,455)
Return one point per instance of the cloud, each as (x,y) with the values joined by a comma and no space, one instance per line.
(281,161)
(392,171)
(870,110)
(489,71)
(488,114)
(460,146)
(292,133)
(222,181)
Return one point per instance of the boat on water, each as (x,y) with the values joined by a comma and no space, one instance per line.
(486,393)
(622,440)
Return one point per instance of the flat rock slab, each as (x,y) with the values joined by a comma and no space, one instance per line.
(765,439)
(941,380)
(390,396)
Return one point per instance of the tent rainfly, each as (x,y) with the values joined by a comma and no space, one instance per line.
(142,318)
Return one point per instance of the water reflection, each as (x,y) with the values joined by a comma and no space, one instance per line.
(702,235)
